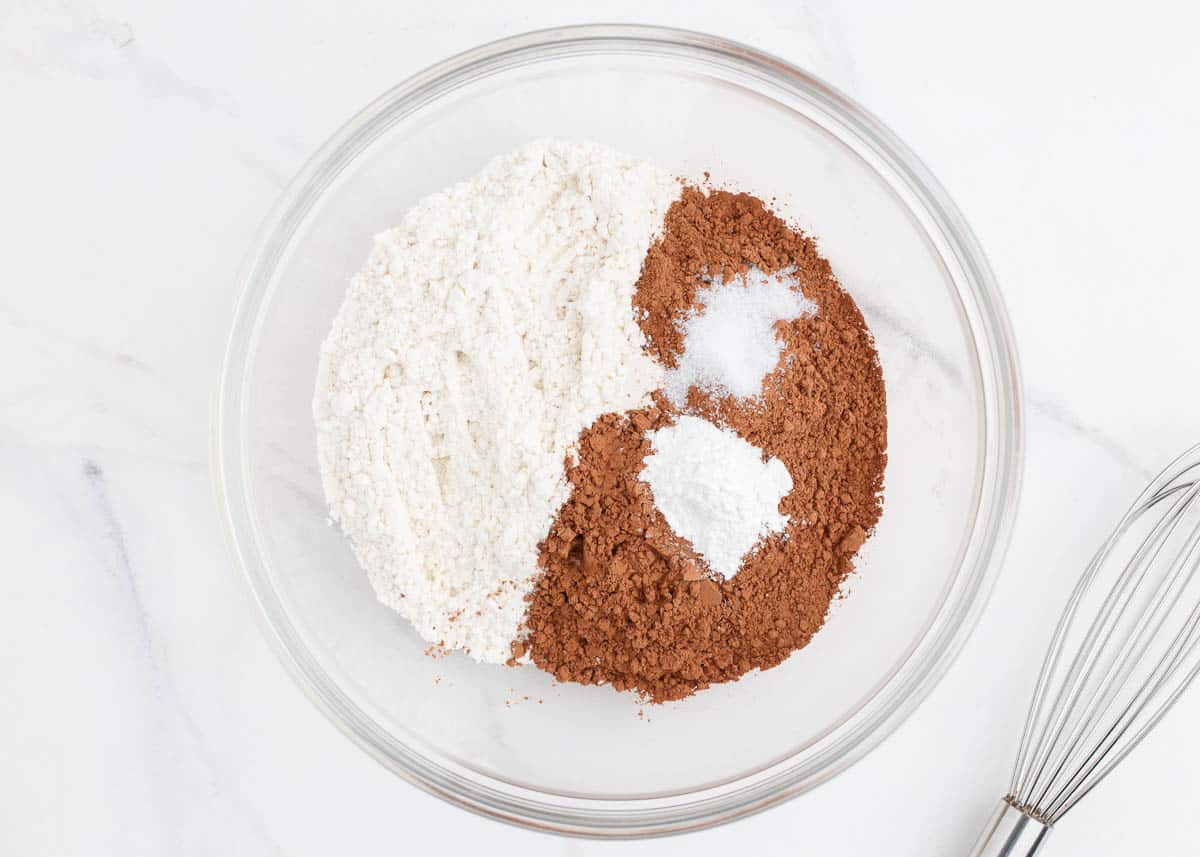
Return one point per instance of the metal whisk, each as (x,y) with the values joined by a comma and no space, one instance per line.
(1126,647)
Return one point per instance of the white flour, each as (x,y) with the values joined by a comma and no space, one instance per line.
(715,490)
(731,344)
(486,331)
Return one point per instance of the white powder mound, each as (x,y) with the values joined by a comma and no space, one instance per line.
(715,490)
(730,345)
(485,333)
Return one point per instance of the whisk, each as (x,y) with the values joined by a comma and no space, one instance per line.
(1125,649)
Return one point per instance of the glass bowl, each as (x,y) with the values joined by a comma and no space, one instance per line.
(511,743)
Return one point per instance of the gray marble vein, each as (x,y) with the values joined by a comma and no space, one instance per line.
(170,711)
(1041,405)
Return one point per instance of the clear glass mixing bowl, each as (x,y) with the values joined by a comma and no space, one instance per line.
(579,759)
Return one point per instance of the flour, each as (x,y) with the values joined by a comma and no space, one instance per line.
(486,331)
(715,490)
(730,346)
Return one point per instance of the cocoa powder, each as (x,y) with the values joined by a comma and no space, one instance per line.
(623,600)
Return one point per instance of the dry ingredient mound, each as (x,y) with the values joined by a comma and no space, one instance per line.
(699,473)
(730,343)
(486,332)
(623,600)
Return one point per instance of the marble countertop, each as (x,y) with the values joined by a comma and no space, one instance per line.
(143,712)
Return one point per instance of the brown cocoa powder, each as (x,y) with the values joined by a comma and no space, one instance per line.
(623,600)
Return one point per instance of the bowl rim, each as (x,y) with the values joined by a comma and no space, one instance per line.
(863,730)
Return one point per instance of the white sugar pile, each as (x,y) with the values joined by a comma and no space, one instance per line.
(715,490)
(730,346)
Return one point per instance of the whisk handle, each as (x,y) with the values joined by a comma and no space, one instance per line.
(1011,833)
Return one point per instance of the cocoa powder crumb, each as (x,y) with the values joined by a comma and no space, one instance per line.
(518,652)
(624,601)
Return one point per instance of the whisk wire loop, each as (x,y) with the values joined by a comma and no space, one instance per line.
(1133,626)
(1117,660)
(1032,751)
(1183,646)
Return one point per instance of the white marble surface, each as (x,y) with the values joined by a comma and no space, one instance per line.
(144,714)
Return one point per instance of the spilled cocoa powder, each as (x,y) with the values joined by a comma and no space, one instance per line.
(624,601)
